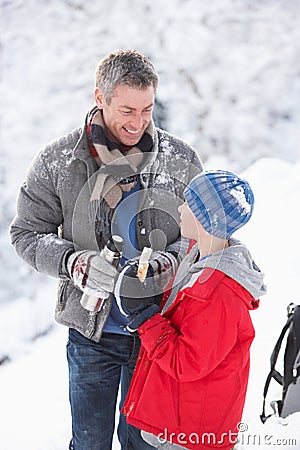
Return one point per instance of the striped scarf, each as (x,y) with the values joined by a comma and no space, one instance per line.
(117,172)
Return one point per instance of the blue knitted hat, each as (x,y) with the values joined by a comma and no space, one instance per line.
(221,201)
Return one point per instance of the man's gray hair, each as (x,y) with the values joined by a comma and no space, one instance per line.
(125,67)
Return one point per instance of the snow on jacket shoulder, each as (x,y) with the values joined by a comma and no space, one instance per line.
(192,372)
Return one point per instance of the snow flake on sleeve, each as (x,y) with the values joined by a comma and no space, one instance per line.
(166,147)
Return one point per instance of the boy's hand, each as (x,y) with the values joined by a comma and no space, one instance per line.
(133,296)
(138,319)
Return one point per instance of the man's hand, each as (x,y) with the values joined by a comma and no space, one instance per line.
(163,266)
(91,273)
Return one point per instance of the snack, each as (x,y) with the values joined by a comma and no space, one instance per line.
(144,264)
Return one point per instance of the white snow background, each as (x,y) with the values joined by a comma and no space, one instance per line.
(230,85)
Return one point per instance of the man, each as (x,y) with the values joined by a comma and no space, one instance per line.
(118,174)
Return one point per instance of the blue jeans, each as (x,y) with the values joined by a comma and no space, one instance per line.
(95,372)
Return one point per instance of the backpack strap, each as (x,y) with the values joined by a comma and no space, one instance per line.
(296,328)
(296,337)
(274,356)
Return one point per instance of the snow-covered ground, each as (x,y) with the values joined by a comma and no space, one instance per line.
(272,236)
(34,412)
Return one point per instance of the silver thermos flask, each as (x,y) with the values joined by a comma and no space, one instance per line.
(112,253)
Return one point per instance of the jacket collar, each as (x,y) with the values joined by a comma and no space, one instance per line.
(149,168)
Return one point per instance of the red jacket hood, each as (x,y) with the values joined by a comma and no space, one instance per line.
(210,279)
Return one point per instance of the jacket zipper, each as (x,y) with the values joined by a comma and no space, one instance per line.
(62,296)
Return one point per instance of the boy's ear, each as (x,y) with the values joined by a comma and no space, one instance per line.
(99,98)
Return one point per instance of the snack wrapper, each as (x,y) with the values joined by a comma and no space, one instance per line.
(144,264)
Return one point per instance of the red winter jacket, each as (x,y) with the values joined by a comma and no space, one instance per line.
(190,381)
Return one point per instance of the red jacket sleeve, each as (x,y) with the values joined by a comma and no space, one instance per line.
(191,349)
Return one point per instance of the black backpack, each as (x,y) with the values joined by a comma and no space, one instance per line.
(290,381)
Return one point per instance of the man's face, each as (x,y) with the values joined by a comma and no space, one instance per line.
(128,113)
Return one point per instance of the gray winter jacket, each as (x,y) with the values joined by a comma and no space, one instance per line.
(53,218)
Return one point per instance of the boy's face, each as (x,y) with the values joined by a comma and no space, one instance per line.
(189,225)
(128,113)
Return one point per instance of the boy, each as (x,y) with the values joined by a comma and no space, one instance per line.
(190,382)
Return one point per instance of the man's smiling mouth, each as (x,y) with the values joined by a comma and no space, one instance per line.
(131,131)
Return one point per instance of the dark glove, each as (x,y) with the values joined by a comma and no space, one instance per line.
(139,318)
(133,296)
